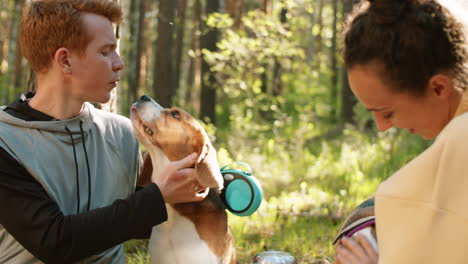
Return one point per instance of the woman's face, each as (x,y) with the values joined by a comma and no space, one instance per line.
(425,115)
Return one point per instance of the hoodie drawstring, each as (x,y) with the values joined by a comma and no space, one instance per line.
(76,169)
(87,164)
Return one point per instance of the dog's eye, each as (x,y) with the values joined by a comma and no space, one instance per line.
(175,114)
(149,131)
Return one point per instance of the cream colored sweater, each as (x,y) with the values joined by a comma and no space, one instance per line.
(422,210)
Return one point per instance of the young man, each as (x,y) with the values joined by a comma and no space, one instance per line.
(68,170)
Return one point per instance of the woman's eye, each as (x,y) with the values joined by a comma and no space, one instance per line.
(388,115)
(105,53)
(175,114)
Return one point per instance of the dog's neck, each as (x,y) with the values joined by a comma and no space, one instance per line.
(208,219)
(158,160)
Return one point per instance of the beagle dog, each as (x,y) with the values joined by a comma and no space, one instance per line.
(195,232)
(360,221)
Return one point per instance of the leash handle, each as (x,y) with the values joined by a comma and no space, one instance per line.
(249,170)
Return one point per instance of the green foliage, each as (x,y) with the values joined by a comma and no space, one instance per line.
(243,61)
(136,251)
(308,193)
(313,169)
(274,227)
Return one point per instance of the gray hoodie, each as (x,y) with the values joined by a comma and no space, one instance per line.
(83,163)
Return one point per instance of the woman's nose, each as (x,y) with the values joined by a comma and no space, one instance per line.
(383,124)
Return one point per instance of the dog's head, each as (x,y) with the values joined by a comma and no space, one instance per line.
(176,134)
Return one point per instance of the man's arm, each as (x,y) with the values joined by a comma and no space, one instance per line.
(33,218)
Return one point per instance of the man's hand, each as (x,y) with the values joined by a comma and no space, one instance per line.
(178,184)
(358,251)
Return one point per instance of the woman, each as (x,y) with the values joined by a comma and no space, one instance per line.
(406,62)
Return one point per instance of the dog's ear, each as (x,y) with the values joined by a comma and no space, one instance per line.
(144,178)
(208,172)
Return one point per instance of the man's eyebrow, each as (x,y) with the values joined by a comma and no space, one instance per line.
(109,45)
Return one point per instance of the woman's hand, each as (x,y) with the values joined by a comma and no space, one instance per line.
(356,251)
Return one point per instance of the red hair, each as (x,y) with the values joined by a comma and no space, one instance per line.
(48,25)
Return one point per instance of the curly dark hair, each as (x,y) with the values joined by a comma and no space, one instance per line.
(412,39)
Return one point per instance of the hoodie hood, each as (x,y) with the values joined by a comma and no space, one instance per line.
(61,128)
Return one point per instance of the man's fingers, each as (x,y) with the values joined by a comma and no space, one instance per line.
(186,162)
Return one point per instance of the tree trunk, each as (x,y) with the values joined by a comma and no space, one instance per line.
(347,98)
(208,87)
(3,35)
(13,48)
(147,56)
(19,83)
(239,14)
(136,22)
(2,43)
(230,7)
(18,66)
(277,69)
(18,76)
(318,38)
(267,6)
(179,41)
(311,46)
(163,84)
(193,78)
(31,81)
(334,63)
(235,8)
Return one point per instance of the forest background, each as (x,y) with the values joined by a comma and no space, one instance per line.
(266,78)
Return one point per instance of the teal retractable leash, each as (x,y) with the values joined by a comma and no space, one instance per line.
(242,192)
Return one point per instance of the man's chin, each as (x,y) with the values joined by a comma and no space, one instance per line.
(103,99)
(101,103)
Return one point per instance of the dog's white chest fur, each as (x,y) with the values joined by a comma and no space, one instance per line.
(177,240)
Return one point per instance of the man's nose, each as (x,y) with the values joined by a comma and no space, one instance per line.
(118,64)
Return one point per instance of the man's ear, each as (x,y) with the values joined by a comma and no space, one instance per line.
(62,60)
(441,85)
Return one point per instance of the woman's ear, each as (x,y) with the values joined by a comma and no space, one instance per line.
(441,86)
(62,60)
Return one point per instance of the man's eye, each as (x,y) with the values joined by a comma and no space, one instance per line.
(175,114)
(388,116)
(105,53)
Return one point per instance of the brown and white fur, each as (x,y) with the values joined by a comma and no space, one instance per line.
(195,232)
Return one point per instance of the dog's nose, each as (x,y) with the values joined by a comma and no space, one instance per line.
(145,98)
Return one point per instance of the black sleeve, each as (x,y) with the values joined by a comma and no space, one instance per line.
(37,223)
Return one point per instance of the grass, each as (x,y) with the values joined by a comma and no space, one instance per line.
(305,236)
(137,251)
(307,192)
